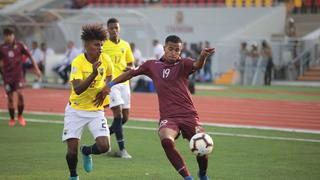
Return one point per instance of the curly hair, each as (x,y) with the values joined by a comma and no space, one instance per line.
(93,32)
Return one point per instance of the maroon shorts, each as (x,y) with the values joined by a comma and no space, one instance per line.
(13,86)
(187,126)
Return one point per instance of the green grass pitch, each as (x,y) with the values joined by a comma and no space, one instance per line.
(36,152)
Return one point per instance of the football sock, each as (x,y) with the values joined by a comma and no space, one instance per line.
(117,125)
(124,121)
(203,165)
(72,161)
(11,113)
(20,109)
(87,150)
(174,157)
(111,129)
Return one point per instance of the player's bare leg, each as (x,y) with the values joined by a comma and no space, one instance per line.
(12,121)
(20,107)
(167,137)
(72,157)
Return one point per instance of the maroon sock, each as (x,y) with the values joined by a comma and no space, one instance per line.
(20,109)
(203,164)
(11,113)
(174,157)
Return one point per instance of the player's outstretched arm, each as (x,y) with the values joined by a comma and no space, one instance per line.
(106,90)
(202,58)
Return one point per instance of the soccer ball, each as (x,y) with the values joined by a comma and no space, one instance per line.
(201,144)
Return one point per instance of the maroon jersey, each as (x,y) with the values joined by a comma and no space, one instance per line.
(11,56)
(171,83)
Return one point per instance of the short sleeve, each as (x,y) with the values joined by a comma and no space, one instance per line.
(142,70)
(109,67)
(76,72)
(129,54)
(188,66)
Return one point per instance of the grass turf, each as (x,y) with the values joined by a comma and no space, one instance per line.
(36,152)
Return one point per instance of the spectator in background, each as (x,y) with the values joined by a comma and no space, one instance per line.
(266,55)
(242,62)
(63,69)
(207,67)
(157,49)
(46,52)
(291,28)
(37,56)
(251,64)
(185,52)
(138,59)
(139,84)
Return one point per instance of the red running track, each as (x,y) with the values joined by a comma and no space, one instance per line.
(233,111)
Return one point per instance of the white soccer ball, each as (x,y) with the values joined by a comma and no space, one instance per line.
(201,144)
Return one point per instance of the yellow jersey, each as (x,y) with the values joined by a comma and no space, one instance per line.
(81,68)
(120,55)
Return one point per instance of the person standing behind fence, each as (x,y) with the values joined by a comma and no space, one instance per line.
(38,56)
(157,49)
(63,69)
(251,64)
(266,55)
(242,61)
(207,67)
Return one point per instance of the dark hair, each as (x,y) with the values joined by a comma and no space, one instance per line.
(8,31)
(112,20)
(93,32)
(173,39)
(264,43)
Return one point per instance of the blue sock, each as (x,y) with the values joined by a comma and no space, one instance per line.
(188,178)
(117,127)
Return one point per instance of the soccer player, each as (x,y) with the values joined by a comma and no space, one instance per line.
(177,112)
(11,52)
(89,73)
(122,58)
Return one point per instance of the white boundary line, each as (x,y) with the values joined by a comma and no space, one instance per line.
(212,133)
(207,124)
(297,130)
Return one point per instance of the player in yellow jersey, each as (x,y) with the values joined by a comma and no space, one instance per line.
(89,73)
(122,58)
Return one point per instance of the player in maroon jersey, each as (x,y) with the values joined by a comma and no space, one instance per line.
(11,52)
(177,112)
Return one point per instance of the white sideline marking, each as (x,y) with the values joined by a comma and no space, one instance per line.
(212,133)
(297,130)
